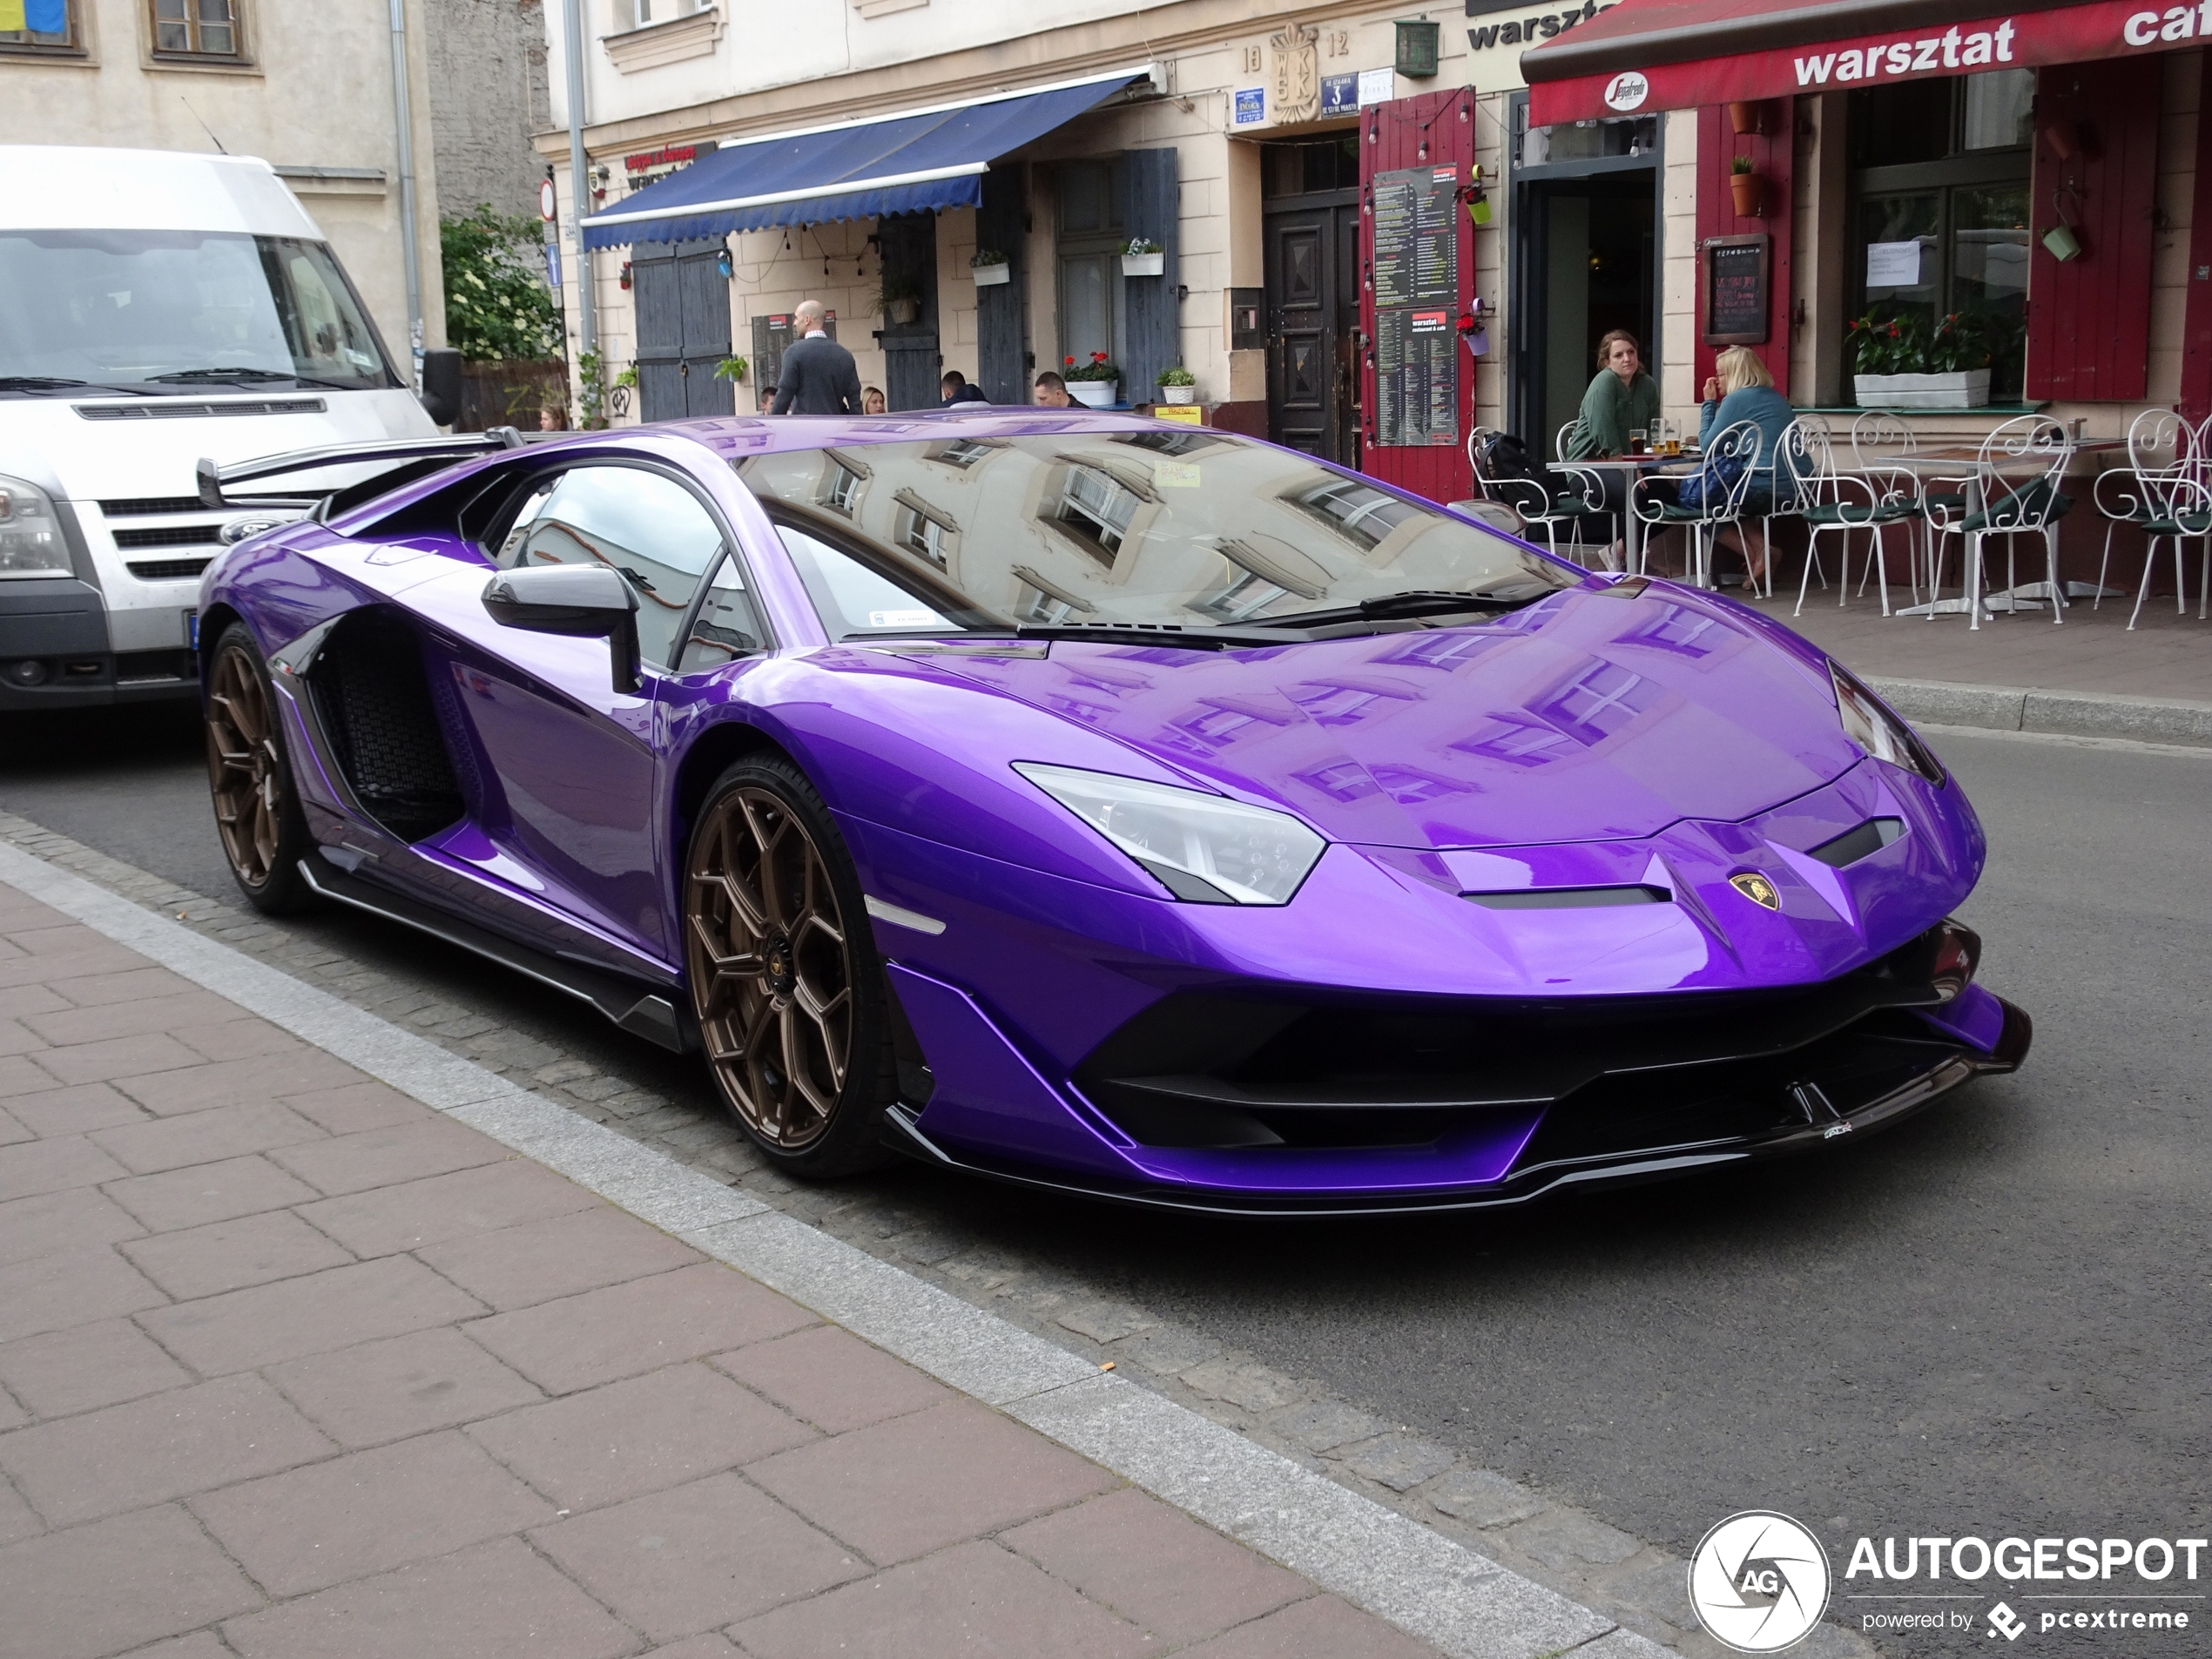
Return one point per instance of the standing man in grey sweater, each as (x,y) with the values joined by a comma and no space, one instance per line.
(820,376)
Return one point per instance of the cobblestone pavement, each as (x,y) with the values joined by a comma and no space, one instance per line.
(942,1228)
(294,1365)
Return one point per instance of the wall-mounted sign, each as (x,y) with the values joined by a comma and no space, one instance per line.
(1250,104)
(1376,86)
(1736,289)
(1417,295)
(1340,94)
(546,209)
(650,166)
(1525,31)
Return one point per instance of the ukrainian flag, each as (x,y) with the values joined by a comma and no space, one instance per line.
(40,16)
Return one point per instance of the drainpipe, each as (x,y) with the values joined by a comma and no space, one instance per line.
(587,332)
(404,108)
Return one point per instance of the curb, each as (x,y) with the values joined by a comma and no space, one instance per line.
(2072,714)
(1425,1583)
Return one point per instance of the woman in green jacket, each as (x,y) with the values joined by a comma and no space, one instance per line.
(1623,396)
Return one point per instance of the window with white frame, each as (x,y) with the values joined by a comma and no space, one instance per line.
(643,12)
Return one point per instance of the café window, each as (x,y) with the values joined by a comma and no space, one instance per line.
(53,28)
(1939,210)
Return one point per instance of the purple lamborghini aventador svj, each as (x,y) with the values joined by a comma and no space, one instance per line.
(1136,809)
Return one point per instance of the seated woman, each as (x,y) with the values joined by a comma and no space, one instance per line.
(1621,397)
(1742,389)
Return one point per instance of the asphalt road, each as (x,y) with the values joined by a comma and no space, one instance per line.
(1990,1321)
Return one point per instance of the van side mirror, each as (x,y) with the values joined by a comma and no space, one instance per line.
(442,385)
(585,601)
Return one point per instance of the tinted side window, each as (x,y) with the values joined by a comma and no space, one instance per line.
(648,526)
(727,628)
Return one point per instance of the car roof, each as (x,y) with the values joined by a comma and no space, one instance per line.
(768,434)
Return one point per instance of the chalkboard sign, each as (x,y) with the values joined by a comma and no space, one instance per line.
(1736,274)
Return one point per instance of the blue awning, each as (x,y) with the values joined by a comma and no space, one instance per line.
(854,170)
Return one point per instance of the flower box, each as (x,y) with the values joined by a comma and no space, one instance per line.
(1963,389)
(1095,395)
(1144,265)
(989,276)
(1178,395)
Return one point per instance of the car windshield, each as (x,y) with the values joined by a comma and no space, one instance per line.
(160,309)
(1083,529)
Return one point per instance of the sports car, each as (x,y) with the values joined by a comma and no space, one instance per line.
(1119,807)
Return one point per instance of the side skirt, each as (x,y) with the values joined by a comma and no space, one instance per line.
(651,1015)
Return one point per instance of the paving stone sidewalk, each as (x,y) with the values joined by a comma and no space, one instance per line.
(293,1366)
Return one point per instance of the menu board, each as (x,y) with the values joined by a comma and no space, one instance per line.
(1735,289)
(770,336)
(1416,274)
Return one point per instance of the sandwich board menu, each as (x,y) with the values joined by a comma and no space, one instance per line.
(1416,272)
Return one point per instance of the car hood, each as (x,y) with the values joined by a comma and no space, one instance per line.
(1601,712)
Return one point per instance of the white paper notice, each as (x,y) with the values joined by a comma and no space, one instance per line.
(1892,265)
(1376,86)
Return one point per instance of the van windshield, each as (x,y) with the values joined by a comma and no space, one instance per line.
(159,309)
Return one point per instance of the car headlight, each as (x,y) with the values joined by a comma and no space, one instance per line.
(30,532)
(1203,847)
(1874,729)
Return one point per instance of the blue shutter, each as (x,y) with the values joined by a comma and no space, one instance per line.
(1152,330)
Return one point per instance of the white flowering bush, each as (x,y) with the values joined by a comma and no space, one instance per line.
(497,307)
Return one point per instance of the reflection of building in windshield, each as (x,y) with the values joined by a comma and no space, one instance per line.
(1188,527)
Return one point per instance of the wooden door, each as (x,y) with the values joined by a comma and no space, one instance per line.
(912,364)
(682,304)
(1311,255)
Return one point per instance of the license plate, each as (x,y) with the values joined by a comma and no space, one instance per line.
(192,629)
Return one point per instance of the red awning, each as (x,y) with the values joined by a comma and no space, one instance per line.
(1646,54)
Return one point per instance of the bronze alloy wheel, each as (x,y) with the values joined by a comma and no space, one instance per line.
(783,982)
(263,833)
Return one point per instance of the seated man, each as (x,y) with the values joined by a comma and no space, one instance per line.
(1052,392)
(957,390)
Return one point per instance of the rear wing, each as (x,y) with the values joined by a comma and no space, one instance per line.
(367,469)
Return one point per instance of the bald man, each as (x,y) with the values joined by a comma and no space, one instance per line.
(820,376)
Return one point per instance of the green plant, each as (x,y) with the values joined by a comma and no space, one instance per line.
(1177,376)
(1907,343)
(896,290)
(592,387)
(1960,342)
(987,256)
(1142,245)
(732,370)
(496,305)
(1743,165)
(1097,369)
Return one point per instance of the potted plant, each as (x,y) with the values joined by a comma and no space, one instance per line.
(990,268)
(1096,384)
(1178,385)
(1903,363)
(899,299)
(1746,186)
(1142,256)
(732,370)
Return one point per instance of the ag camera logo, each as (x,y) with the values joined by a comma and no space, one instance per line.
(1759,1581)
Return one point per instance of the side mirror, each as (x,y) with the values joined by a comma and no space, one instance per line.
(442,385)
(585,601)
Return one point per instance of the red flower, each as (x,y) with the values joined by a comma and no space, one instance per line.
(1098,357)
(1892,331)
(1070,361)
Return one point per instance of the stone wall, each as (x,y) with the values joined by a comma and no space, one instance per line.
(487,96)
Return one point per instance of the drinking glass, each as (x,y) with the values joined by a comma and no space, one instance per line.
(1638,440)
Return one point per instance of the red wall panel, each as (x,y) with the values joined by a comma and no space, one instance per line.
(1431,130)
(2088,319)
(1773,151)
(2196,320)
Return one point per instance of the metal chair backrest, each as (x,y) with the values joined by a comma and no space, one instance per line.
(1740,441)
(2010,501)
(1794,471)
(2160,441)
(1559,443)
(1877,436)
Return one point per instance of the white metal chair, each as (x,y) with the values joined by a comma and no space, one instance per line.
(2013,491)
(2160,492)
(1878,441)
(1726,476)
(1840,502)
(1787,483)
(1579,493)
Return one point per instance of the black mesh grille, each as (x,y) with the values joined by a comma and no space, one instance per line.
(370,687)
(172,536)
(167,570)
(151,506)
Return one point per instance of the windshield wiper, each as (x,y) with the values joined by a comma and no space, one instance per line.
(35,383)
(1419,602)
(1113,633)
(192,376)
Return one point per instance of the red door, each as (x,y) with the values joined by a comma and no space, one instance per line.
(1416,278)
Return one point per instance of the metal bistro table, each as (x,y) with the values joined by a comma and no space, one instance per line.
(1974,605)
(1631,467)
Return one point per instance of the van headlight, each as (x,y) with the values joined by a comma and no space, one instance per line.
(30,532)
(1203,848)
(1873,728)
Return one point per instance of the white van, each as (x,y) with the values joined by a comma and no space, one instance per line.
(155,308)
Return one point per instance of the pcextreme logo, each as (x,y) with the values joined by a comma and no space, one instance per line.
(1759,1581)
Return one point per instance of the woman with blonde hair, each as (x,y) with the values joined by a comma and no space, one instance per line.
(1741,388)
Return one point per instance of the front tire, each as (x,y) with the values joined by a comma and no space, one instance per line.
(790,994)
(249,778)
